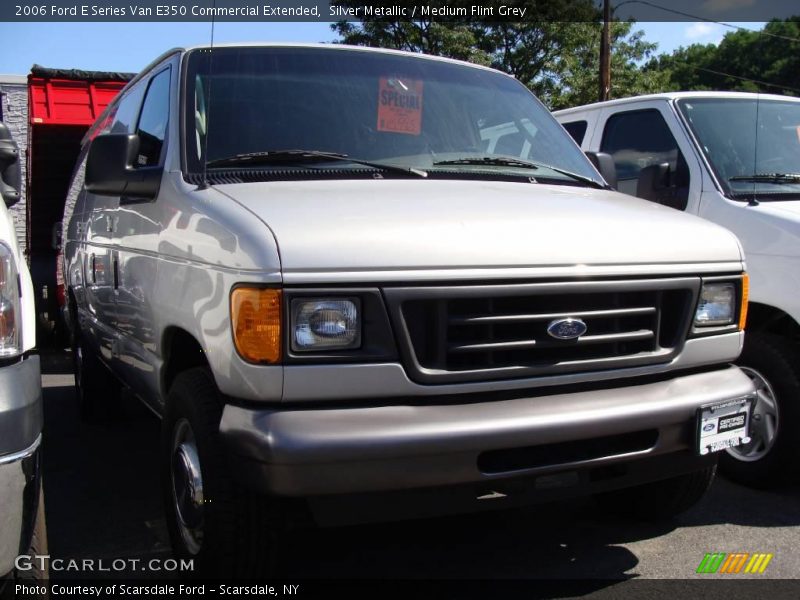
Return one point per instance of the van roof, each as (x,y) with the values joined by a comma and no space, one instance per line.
(673,96)
(331,47)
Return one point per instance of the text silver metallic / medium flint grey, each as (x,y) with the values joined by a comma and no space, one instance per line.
(455,277)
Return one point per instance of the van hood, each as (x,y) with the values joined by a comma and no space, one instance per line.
(786,209)
(773,229)
(389,229)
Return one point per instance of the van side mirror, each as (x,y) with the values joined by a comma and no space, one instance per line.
(604,164)
(10,168)
(110,168)
(653,180)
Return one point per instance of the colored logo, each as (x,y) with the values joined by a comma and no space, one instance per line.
(708,427)
(566,329)
(736,562)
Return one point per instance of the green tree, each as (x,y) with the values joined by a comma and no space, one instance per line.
(765,61)
(576,72)
(687,68)
(555,52)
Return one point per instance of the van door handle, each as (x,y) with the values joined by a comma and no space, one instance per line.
(94,268)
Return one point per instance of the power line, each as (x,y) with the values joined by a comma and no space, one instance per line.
(740,78)
(707,20)
(737,27)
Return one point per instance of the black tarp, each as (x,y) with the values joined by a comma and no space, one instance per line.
(79,74)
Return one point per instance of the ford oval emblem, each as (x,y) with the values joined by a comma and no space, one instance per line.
(566,329)
(709,427)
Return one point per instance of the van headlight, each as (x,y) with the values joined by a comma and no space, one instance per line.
(325,324)
(10,313)
(717,305)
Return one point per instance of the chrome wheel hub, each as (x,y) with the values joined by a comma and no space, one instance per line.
(187,486)
(764,421)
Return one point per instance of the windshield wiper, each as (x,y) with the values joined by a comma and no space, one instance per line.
(503,161)
(305,156)
(768,178)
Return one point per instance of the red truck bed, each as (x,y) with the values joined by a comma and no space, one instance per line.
(62,105)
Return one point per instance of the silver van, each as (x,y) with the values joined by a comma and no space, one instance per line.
(389,285)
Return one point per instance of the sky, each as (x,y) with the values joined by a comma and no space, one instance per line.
(131,46)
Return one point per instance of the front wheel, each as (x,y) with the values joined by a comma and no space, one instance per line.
(659,500)
(773,364)
(224,529)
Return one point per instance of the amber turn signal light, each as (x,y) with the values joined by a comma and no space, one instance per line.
(745,300)
(256,322)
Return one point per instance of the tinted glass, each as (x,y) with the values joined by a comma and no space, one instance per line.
(152,127)
(640,139)
(124,119)
(743,137)
(374,106)
(576,129)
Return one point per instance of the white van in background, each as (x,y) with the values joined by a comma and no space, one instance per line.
(732,158)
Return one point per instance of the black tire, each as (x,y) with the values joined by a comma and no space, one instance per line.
(240,530)
(774,360)
(660,500)
(94,383)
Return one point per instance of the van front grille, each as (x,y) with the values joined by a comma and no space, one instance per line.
(488,332)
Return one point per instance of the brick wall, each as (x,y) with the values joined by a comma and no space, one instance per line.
(14,97)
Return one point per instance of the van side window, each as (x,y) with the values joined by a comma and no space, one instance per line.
(124,118)
(649,163)
(576,129)
(152,128)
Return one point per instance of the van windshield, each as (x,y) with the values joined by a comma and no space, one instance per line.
(753,146)
(282,110)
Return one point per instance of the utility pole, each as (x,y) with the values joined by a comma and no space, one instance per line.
(605,53)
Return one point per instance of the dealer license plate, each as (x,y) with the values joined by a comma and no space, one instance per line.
(723,425)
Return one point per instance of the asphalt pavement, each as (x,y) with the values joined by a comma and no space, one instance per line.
(103,501)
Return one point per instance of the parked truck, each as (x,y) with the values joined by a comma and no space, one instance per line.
(734,159)
(389,285)
(49,111)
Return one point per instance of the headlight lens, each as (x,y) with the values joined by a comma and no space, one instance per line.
(9,304)
(326,324)
(717,305)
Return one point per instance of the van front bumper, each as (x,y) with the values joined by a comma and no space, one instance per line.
(19,493)
(20,437)
(322,451)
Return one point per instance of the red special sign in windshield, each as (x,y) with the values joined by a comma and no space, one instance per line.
(400,105)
